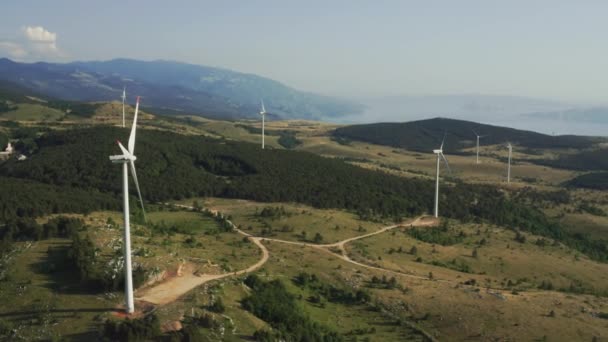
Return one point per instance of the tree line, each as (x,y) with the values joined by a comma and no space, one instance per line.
(270,301)
(77,176)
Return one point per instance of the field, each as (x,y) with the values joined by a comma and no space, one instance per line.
(592,225)
(490,170)
(332,225)
(41,299)
(452,312)
(488,254)
(197,242)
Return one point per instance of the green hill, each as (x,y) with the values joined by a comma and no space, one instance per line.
(425,135)
(19,103)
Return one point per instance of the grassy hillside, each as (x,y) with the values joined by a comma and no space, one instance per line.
(18,103)
(426,135)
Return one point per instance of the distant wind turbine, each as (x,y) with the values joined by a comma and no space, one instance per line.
(128,157)
(124,97)
(478,136)
(510,147)
(263,114)
(440,156)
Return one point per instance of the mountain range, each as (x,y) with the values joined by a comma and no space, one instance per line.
(173,88)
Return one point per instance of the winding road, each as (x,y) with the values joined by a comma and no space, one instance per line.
(173,288)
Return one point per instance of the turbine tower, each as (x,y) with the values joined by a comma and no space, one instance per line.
(128,157)
(440,156)
(510,147)
(478,136)
(123,97)
(263,114)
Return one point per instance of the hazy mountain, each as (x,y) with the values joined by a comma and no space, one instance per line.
(467,107)
(174,87)
(590,115)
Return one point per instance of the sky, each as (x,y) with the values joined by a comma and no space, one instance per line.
(548,49)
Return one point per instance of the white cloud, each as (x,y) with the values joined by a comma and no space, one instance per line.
(13,50)
(33,43)
(39,34)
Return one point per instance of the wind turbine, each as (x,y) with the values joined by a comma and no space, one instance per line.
(478,136)
(263,114)
(440,156)
(128,157)
(123,97)
(510,147)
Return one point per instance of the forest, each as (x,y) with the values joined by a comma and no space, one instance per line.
(270,301)
(27,198)
(3,141)
(286,139)
(594,180)
(589,160)
(70,172)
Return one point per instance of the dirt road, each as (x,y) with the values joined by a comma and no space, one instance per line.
(173,288)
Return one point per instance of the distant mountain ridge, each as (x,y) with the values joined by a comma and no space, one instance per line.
(590,115)
(426,135)
(173,87)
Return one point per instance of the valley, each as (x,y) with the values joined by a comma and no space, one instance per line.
(338,227)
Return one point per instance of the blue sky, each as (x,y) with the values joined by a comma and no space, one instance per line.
(549,49)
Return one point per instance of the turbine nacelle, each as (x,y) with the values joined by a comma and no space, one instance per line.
(438,151)
(125,157)
(122,158)
(263,110)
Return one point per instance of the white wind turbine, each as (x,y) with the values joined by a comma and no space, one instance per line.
(128,157)
(263,114)
(440,156)
(123,97)
(478,136)
(510,147)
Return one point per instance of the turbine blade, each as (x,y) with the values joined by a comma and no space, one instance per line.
(442,141)
(474,132)
(123,149)
(134,174)
(263,108)
(124,93)
(446,163)
(131,144)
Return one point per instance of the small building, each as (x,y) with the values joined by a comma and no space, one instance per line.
(7,152)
